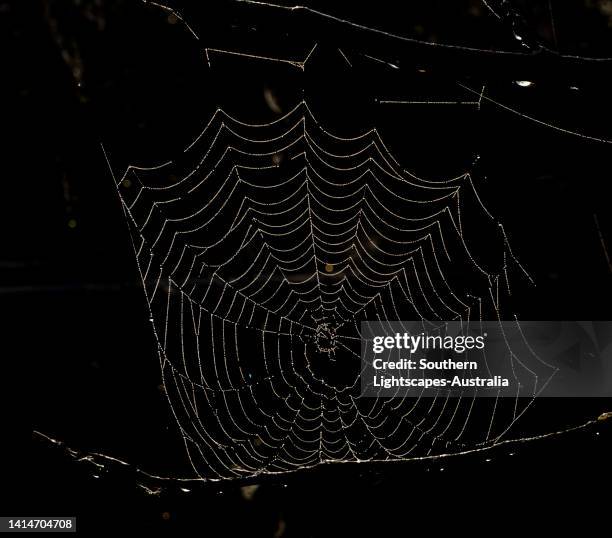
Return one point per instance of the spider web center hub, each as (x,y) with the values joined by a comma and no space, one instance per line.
(326,338)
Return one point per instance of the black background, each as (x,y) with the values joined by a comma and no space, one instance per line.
(78,359)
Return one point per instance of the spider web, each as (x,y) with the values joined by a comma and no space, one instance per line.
(263,246)
(261,249)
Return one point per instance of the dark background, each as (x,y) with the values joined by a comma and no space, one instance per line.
(78,357)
